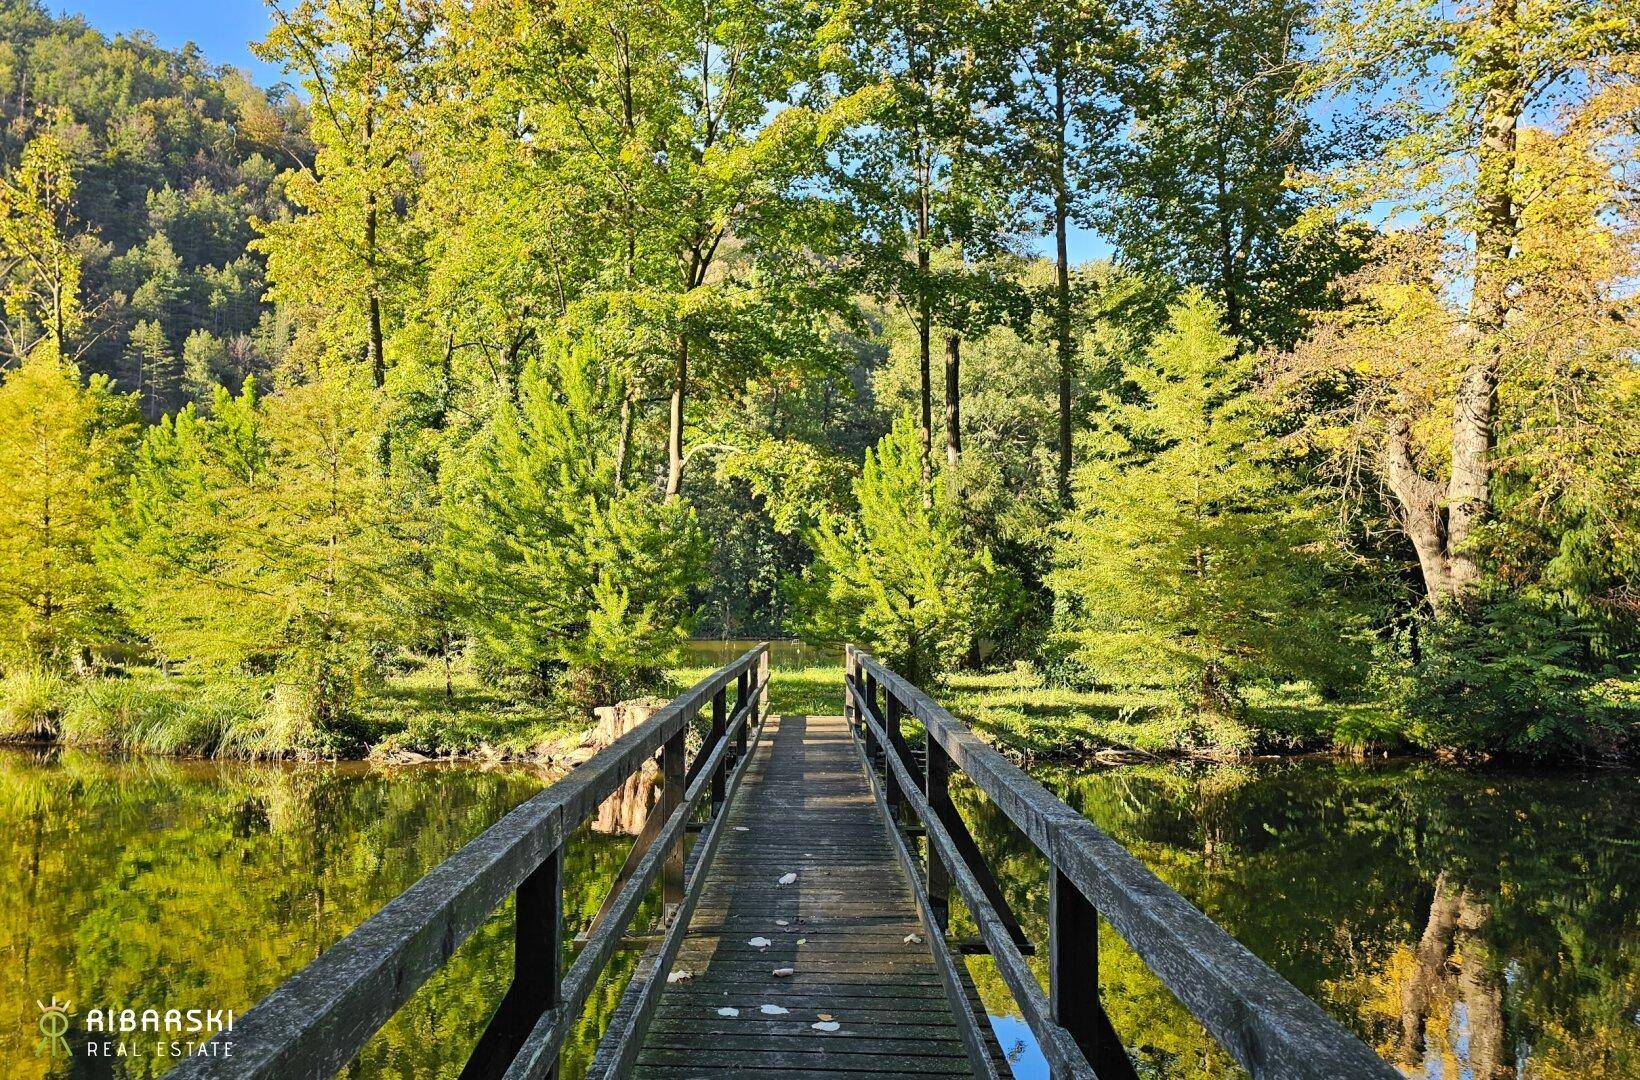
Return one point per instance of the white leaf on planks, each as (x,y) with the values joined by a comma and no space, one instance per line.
(773,1010)
(787,879)
(913,939)
(728,1010)
(680,975)
(781,922)
(759,942)
(802,941)
(741,828)
(781,973)
(826,1025)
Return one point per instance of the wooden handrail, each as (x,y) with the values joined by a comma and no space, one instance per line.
(1261,1019)
(318,1019)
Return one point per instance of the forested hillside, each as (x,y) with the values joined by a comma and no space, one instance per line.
(172,160)
(577,329)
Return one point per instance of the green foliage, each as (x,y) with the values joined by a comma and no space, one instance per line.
(1192,560)
(898,576)
(61,447)
(1513,677)
(30,703)
(267,537)
(565,576)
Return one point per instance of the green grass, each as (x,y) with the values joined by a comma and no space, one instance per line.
(1016,711)
(410,715)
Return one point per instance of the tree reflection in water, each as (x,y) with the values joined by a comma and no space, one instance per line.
(161,884)
(1466,924)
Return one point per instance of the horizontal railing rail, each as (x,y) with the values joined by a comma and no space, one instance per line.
(317,1020)
(1263,1021)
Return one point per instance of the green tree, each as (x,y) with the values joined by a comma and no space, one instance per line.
(355,250)
(919,171)
(154,369)
(41,267)
(1191,561)
(897,576)
(61,446)
(268,538)
(205,365)
(1462,83)
(1203,191)
(1064,113)
(564,576)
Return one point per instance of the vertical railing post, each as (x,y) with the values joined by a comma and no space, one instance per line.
(763,682)
(848,680)
(937,780)
(896,746)
(538,932)
(672,770)
(720,716)
(1073,978)
(743,686)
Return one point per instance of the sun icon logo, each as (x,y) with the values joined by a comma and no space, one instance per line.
(53,1027)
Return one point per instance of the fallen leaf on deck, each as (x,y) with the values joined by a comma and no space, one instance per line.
(787,879)
(913,939)
(802,941)
(781,973)
(728,1010)
(826,1025)
(780,922)
(741,828)
(773,1010)
(823,1016)
(680,975)
(759,942)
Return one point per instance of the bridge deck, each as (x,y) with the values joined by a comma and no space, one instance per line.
(805,809)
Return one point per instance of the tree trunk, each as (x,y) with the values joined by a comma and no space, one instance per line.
(674,435)
(623,444)
(1419,501)
(1062,341)
(1474,413)
(373,349)
(925,361)
(1480,986)
(953,401)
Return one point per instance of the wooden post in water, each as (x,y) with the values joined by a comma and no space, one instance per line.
(1073,979)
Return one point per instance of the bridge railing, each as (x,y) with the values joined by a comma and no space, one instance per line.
(318,1019)
(1263,1021)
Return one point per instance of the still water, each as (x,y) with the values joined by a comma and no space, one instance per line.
(1477,925)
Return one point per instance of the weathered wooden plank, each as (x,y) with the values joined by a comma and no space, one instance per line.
(806,810)
(1265,1023)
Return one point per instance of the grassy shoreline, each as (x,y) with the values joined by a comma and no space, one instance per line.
(409,717)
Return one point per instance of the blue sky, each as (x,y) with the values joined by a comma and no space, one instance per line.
(223,29)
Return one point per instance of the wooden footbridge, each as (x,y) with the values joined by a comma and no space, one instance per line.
(806,924)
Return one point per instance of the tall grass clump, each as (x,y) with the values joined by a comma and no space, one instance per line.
(30,702)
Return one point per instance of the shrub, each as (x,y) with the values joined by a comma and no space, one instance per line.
(1513,677)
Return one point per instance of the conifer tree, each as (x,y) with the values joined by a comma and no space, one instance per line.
(61,445)
(1191,561)
(152,369)
(578,583)
(897,576)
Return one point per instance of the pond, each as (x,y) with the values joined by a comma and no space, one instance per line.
(1461,922)
(1468,925)
(715,652)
